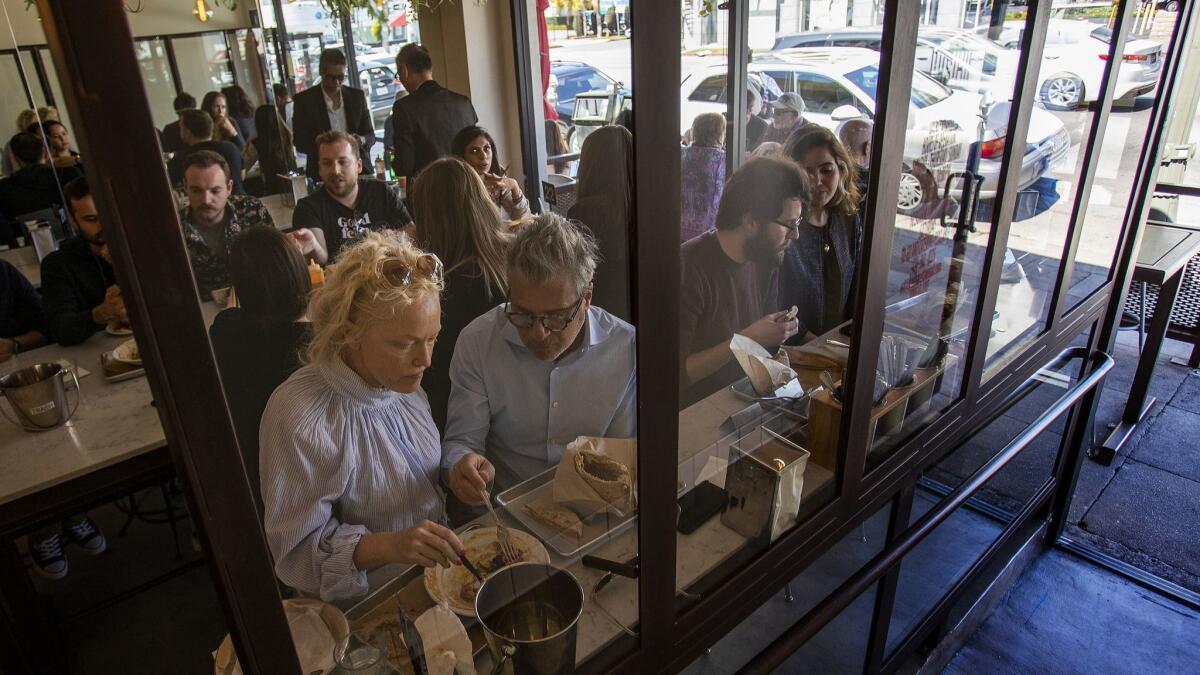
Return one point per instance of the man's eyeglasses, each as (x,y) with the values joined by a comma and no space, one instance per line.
(553,322)
(398,273)
(793,225)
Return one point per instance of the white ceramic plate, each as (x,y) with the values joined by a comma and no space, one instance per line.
(118,329)
(451,585)
(127,352)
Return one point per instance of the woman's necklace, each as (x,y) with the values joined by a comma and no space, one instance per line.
(826,239)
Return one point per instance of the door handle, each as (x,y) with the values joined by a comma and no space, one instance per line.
(965,176)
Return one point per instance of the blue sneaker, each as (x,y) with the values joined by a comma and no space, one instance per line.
(48,559)
(87,536)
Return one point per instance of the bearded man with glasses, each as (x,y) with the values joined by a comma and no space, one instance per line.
(547,366)
(730,275)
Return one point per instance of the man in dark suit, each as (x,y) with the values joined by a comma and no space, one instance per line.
(172,141)
(425,122)
(331,107)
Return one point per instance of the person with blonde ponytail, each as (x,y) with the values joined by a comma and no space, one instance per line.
(350,457)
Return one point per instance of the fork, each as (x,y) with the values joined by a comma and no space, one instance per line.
(506,547)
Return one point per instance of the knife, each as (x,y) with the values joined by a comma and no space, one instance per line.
(466,562)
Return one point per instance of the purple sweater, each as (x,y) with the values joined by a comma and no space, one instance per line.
(703,181)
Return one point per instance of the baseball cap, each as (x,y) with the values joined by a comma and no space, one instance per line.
(791,101)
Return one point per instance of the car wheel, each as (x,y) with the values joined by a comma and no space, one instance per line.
(911,193)
(574,139)
(1062,92)
(1172,6)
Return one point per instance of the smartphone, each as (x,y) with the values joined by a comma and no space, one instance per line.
(698,506)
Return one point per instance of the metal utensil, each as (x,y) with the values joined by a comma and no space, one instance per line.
(827,382)
(601,583)
(466,562)
(506,547)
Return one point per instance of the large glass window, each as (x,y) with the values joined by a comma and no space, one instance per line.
(1052,162)
(15,98)
(952,164)
(156,76)
(204,63)
(1125,134)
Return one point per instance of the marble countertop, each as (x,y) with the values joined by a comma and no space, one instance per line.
(114,421)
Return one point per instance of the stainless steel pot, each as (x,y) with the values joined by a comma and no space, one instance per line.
(38,396)
(530,613)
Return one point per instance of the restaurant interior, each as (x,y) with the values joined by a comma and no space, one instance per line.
(936,413)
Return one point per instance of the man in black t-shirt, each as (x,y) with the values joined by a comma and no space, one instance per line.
(346,206)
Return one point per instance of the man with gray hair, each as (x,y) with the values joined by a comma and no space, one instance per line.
(547,366)
(788,117)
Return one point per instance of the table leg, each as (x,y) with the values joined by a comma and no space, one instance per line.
(1139,402)
(1192,361)
(25,635)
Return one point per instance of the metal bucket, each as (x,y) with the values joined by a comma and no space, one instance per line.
(38,396)
(530,613)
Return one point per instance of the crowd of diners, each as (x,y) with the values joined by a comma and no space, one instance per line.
(455,342)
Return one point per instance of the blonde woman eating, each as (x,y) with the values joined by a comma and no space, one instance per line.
(349,453)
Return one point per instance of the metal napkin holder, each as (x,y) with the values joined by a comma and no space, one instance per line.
(764,480)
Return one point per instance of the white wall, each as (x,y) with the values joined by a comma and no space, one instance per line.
(157,17)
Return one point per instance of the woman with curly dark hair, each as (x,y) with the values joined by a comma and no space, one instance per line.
(820,265)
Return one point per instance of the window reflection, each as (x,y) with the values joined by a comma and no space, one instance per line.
(1125,134)
(1075,59)
(961,101)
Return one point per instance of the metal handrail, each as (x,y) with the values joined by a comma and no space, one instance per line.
(1177,189)
(567,157)
(828,609)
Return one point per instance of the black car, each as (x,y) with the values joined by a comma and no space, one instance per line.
(568,79)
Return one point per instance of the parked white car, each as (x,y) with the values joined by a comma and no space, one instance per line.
(942,123)
(1070,72)
(1077,52)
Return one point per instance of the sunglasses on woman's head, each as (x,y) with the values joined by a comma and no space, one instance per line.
(399,273)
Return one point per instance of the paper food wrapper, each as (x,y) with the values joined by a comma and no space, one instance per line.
(310,636)
(766,372)
(314,644)
(573,491)
(787,499)
(445,642)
